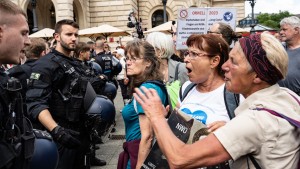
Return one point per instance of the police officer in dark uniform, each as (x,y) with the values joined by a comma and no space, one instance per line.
(110,65)
(38,48)
(92,69)
(91,45)
(81,53)
(55,95)
(13,39)
(103,59)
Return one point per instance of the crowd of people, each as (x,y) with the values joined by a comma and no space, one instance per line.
(264,131)
(52,94)
(58,97)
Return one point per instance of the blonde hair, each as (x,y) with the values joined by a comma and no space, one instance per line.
(9,8)
(276,53)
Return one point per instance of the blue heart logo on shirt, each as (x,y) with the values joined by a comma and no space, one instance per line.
(198,114)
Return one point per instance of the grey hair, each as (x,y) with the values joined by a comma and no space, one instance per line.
(294,21)
(162,42)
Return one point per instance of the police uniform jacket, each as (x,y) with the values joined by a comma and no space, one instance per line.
(94,78)
(5,149)
(47,79)
(13,126)
(22,72)
(3,99)
(105,61)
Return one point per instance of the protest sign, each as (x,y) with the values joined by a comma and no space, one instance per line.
(199,20)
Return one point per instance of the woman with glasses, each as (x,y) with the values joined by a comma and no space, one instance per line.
(143,70)
(264,133)
(204,96)
(204,99)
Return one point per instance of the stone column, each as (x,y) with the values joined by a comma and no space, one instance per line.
(64,10)
(35,27)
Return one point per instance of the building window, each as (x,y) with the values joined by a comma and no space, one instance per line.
(158,18)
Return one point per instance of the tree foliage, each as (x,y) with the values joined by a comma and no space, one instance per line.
(272,20)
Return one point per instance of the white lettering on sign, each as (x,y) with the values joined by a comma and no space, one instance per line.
(181,128)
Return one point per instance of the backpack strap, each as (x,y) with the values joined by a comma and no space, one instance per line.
(164,88)
(186,91)
(256,165)
(67,67)
(176,72)
(232,101)
(71,71)
(294,122)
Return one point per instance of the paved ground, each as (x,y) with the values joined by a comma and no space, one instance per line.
(110,150)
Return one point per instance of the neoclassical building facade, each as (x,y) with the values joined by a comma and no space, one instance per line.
(90,13)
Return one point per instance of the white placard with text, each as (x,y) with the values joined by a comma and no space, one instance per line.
(199,20)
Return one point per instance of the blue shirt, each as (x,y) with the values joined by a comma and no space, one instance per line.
(131,117)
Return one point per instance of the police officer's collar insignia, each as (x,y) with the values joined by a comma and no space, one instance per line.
(35,76)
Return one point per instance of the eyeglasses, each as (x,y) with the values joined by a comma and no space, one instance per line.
(210,32)
(193,55)
(133,59)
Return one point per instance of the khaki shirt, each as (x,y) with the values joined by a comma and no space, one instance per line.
(271,140)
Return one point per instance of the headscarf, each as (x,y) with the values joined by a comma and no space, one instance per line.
(258,60)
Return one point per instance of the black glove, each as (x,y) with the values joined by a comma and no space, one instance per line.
(98,83)
(65,137)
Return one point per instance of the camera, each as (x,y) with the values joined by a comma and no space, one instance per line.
(133,22)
